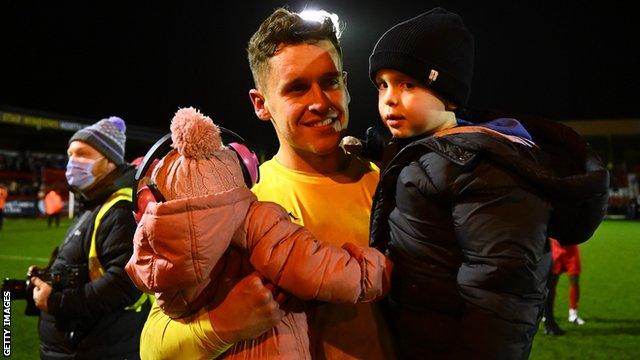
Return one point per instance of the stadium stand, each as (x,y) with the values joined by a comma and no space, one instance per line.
(33,154)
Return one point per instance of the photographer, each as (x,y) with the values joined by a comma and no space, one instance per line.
(102,313)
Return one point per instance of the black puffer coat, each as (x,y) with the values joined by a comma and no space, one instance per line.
(90,321)
(465,218)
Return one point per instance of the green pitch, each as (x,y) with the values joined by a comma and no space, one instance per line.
(609,300)
(610,292)
(25,242)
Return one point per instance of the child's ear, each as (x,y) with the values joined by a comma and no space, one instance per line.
(259,105)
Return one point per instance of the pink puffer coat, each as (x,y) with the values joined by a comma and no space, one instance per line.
(181,248)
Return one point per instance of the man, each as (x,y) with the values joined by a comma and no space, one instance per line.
(53,205)
(94,311)
(565,259)
(301,89)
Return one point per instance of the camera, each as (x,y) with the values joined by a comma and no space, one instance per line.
(61,277)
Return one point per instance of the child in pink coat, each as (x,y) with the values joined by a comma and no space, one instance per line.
(211,219)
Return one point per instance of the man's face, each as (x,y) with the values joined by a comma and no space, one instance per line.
(304,95)
(82,152)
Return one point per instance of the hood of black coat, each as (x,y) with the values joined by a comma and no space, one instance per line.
(563,167)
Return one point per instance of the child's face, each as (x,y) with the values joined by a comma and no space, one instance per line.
(407,107)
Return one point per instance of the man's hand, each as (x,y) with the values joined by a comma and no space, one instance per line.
(41,292)
(248,311)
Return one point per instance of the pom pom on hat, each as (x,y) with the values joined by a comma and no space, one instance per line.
(200,165)
(194,135)
(118,123)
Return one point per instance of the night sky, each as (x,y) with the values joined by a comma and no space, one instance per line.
(563,60)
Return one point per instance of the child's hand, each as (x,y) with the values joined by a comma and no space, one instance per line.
(375,147)
(351,145)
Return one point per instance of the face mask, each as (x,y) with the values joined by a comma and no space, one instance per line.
(80,174)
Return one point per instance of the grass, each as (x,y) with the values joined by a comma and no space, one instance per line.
(25,242)
(608,302)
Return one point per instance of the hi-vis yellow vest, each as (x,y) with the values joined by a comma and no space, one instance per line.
(95,267)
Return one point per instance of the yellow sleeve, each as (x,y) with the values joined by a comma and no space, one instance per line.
(189,338)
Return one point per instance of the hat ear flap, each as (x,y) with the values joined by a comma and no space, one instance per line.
(144,197)
(248,163)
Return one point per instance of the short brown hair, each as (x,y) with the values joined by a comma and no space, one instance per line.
(286,27)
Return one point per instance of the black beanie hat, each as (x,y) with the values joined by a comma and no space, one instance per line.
(434,47)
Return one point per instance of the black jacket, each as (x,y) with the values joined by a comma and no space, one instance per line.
(89,321)
(465,218)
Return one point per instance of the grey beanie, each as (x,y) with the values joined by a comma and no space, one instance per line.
(107,136)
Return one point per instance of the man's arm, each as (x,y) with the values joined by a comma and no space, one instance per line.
(247,311)
(111,292)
